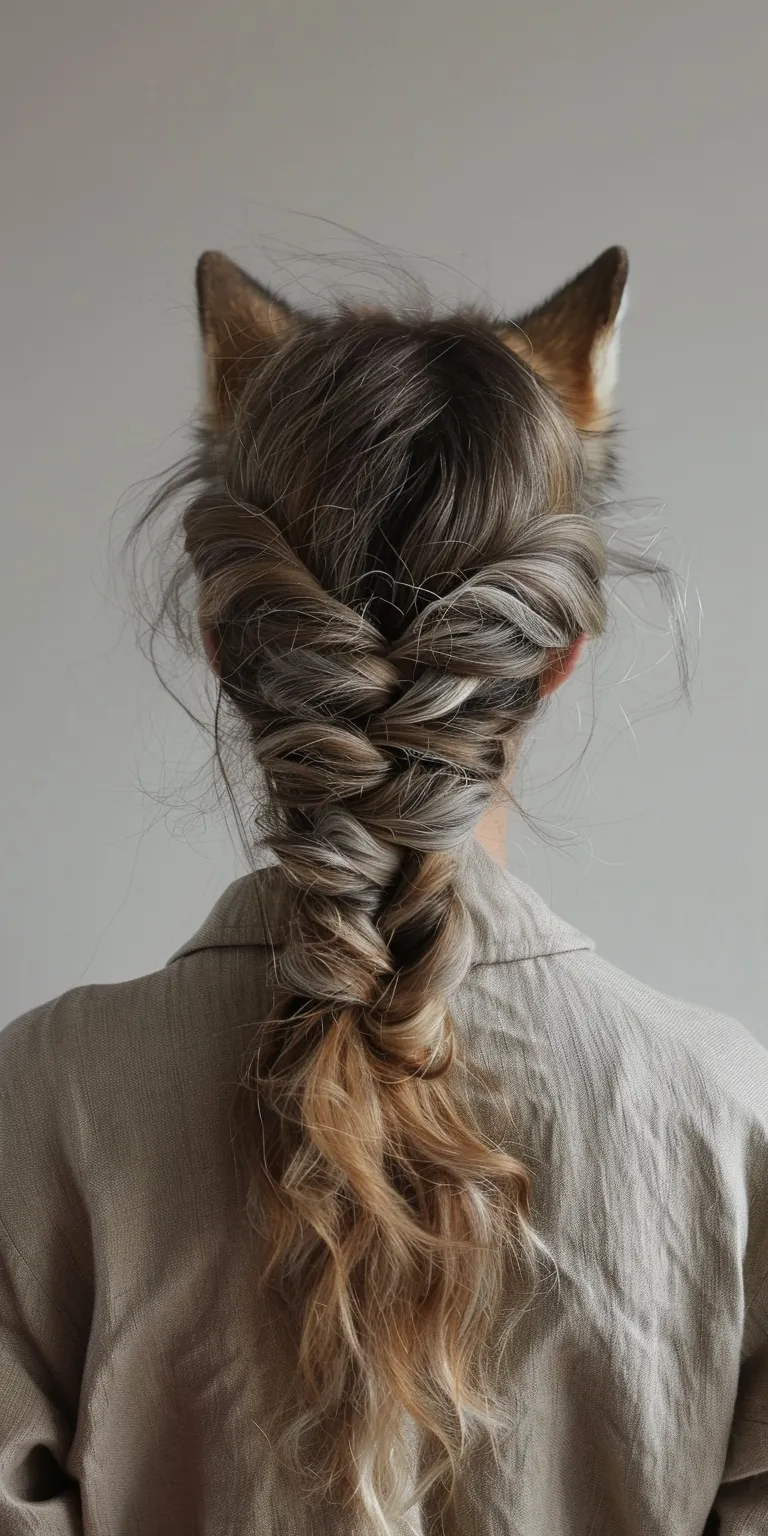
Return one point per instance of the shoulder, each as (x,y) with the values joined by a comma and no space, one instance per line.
(49,1039)
(619,1070)
(599,1043)
(87,1053)
(73,1028)
(670,1098)
(107,1086)
(69,1070)
(76,1117)
(689,1051)
(643,1118)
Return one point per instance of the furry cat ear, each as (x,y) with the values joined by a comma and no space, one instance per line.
(572,340)
(241,322)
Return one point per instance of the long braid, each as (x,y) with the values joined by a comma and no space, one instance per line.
(391,1219)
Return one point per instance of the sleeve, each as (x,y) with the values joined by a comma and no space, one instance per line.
(44,1289)
(37,1414)
(741,1506)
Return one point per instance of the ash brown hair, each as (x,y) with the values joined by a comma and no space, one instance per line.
(390,526)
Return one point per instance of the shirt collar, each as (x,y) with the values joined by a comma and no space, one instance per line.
(509,920)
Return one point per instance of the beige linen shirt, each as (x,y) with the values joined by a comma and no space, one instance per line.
(137,1364)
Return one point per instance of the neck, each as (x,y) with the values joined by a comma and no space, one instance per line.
(492,831)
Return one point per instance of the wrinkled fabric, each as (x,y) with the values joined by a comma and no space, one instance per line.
(138,1364)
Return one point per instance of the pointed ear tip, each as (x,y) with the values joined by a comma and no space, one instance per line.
(210,265)
(611,269)
(219,280)
(617,258)
(221,285)
(205,276)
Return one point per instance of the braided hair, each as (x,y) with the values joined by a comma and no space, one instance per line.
(391,539)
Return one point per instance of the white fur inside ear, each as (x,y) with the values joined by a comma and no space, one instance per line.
(606,360)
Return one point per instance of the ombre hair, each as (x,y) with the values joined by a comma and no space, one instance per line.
(390,529)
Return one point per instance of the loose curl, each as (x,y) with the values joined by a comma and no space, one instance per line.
(390,545)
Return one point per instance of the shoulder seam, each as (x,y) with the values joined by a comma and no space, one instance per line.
(540,954)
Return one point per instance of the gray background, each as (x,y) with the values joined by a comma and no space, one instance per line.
(506,145)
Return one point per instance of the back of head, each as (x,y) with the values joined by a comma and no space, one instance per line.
(393,541)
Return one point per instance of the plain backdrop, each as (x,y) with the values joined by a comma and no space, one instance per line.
(495,147)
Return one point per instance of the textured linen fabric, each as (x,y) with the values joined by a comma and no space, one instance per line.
(137,1365)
